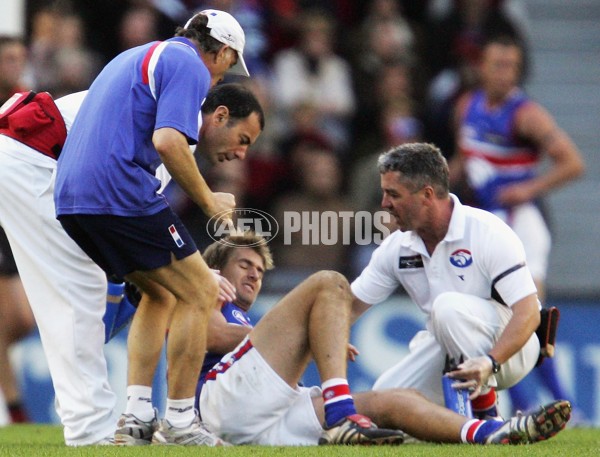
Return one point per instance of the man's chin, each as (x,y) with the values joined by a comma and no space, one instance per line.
(243,304)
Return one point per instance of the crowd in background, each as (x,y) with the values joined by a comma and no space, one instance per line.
(340,82)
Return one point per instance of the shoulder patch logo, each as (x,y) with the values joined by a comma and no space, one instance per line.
(461,258)
(409,262)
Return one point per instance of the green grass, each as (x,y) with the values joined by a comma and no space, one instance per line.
(45,440)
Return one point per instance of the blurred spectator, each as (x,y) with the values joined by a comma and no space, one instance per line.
(62,63)
(293,151)
(311,74)
(44,30)
(390,84)
(285,18)
(13,63)
(138,26)
(384,36)
(315,206)
(76,64)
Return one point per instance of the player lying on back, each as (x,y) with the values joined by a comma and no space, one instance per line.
(253,395)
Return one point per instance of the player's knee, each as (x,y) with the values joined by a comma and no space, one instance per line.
(208,291)
(201,294)
(332,281)
(444,308)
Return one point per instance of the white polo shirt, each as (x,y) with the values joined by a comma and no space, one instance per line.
(478,254)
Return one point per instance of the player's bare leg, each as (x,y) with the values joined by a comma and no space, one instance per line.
(313,320)
(195,290)
(178,296)
(147,332)
(410,411)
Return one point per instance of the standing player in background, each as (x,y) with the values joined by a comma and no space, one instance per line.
(13,61)
(261,376)
(502,137)
(142,111)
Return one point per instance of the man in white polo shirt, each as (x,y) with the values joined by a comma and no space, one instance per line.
(465,269)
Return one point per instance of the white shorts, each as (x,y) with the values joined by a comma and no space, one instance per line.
(460,325)
(528,223)
(248,403)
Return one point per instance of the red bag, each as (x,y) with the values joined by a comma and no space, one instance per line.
(34,120)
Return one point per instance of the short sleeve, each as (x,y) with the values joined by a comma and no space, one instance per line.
(377,281)
(182,82)
(506,265)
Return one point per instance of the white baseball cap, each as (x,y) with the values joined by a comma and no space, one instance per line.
(224,28)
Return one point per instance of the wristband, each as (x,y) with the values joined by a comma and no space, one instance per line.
(495,364)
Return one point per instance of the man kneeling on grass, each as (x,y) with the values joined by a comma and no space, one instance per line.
(253,394)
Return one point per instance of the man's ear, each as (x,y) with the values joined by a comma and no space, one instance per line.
(221,115)
(429,193)
(221,53)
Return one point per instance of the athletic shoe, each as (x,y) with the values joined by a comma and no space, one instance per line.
(358,429)
(195,434)
(538,426)
(132,431)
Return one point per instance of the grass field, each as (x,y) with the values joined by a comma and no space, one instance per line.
(44,440)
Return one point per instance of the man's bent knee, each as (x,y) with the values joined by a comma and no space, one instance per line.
(206,292)
(445,307)
(330,280)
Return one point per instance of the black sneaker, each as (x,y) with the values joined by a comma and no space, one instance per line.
(358,429)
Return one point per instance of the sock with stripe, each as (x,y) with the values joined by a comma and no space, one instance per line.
(180,413)
(337,400)
(139,402)
(484,406)
(477,431)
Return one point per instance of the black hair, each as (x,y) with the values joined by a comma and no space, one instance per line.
(239,100)
(199,31)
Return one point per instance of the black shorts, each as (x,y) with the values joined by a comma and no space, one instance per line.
(121,245)
(7,261)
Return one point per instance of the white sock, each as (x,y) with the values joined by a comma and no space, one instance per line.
(139,402)
(180,413)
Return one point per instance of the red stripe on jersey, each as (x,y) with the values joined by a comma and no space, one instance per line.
(520,158)
(224,366)
(146,63)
